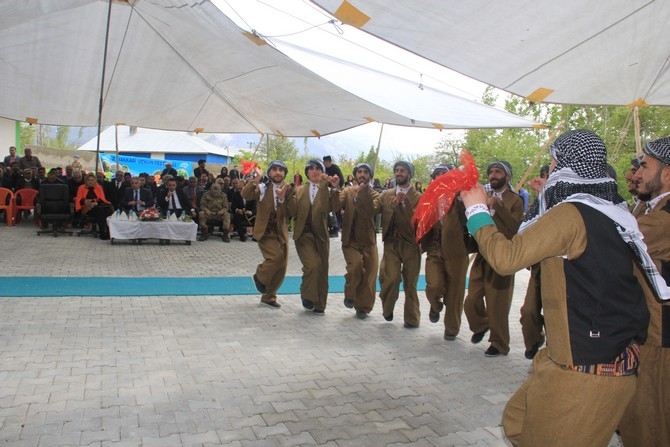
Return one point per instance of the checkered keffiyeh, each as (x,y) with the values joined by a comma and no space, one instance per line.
(659,149)
(580,176)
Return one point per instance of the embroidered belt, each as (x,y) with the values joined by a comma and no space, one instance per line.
(625,364)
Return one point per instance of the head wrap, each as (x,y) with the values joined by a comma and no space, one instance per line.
(635,163)
(580,176)
(277,164)
(441,169)
(610,171)
(582,151)
(366,166)
(659,149)
(407,165)
(314,162)
(503,165)
(580,169)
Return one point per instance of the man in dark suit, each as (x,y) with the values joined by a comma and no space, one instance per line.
(173,200)
(242,210)
(136,198)
(115,190)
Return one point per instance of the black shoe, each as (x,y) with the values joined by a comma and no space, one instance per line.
(319,312)
(409,326)
(389,317)
(433,316)
(361,315)
(203,237)
(309,305)
(243,238)
(530,354)
(259,285)
(478,336)
(492,352)
(225,237)
(272,304)
(448,336)
(349,304)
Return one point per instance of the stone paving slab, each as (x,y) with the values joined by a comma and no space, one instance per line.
(223,370)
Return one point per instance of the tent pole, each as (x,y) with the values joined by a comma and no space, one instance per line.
(379,143)
(638,140)
(102,90)
(116,144)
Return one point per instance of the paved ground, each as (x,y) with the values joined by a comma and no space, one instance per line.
(222,370)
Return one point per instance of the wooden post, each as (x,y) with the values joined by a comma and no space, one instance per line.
(638,140)
(552,136)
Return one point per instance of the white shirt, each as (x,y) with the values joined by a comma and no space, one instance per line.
(313,190)
(275,187)
(652,203)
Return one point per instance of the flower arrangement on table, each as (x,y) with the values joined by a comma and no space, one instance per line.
(150,214)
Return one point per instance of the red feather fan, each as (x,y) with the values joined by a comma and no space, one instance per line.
(248,166)
(441,193)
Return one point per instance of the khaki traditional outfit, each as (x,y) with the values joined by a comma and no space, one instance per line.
(312,241)
(646,422)
(486,283)
(593,288)
(402,256)
(447,266)
(359,245)
(271,233)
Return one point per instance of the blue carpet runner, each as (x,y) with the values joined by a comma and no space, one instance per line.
(24,286)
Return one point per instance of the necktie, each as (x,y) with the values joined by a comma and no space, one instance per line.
(174,204)
(137,199)
(193,198)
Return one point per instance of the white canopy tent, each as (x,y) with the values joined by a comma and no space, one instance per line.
(184,65)
(570,51)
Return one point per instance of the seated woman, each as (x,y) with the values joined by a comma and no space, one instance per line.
(91,201)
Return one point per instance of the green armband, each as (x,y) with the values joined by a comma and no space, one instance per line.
(478,220)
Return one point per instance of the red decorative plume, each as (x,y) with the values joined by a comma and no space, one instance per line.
(248,166)
(440,194)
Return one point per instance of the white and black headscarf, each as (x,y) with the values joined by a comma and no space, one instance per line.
(580,175)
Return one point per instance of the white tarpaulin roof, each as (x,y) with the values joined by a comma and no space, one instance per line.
(180,65)
(569,51)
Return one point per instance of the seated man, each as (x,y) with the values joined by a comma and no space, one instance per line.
(136,198)
(172,200)
(214,207)
(243,210)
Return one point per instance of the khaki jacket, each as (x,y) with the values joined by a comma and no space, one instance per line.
(359,216)
(265,207)
(299,207)
(401,214)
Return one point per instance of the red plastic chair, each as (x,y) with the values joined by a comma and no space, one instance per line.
(7,204)
(27,198)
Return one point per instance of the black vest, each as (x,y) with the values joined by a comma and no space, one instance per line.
(606,304)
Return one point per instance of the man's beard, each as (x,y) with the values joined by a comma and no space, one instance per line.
(497,184)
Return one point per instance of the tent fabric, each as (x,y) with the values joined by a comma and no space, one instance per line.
(175,65)
(570,51)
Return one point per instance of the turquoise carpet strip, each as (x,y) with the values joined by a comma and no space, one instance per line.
(20,286)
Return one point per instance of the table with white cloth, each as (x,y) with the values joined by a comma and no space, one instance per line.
(152,229)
